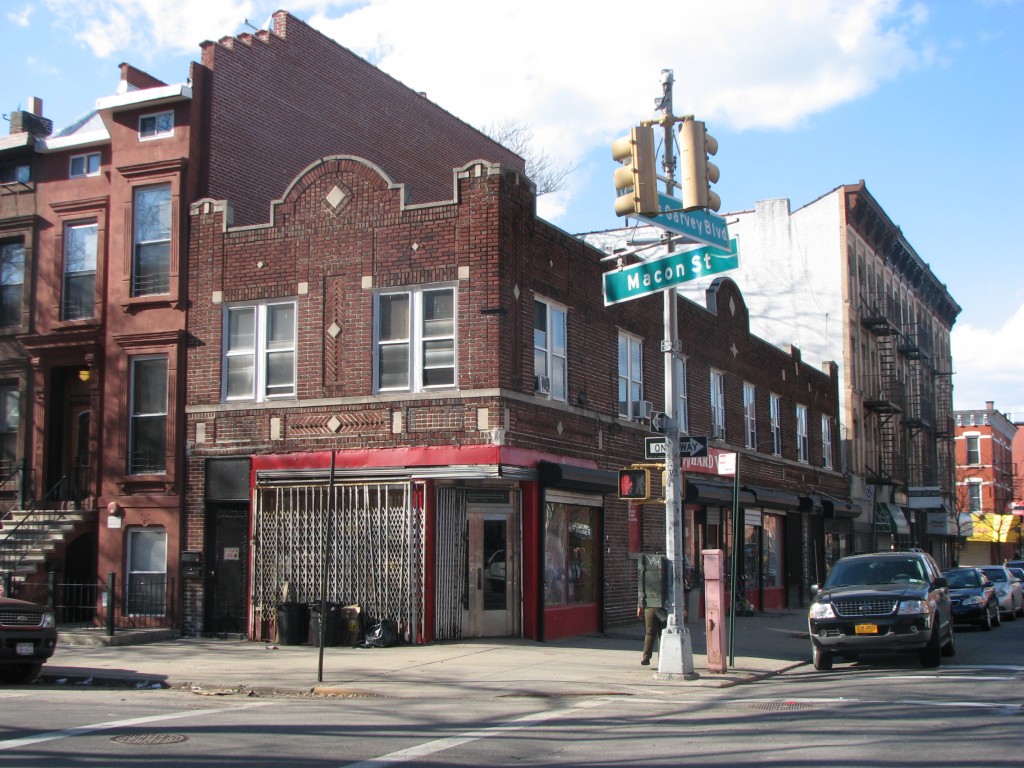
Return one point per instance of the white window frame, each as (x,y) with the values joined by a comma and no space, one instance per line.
(550,350)
(975,498)
(803,448)
(85,268)
(10,419)
(416,339)
(260,353)
(140,243)
(631,376)
(826,441)
(12,278)
(137,417)
(974,437)
(89,165)
(717,404)
(750,415)
(134,573)
(153,126)
(682,395)
(775,408)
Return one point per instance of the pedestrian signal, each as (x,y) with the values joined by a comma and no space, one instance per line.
(634,484)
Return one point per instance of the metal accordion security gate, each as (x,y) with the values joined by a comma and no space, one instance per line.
(452,538)
(367,536)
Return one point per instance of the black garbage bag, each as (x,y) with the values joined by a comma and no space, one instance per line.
(381,634)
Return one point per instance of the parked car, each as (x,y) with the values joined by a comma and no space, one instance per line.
(28,637)
(1009,590)
(883,602)
(973,597)
(1017,572)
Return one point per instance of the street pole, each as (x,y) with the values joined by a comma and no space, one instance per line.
(675,654)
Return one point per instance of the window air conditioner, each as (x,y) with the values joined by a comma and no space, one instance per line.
(542,384)
(642,410)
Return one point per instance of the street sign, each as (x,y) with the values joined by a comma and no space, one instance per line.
(668,271)
(690,447)
(697,226)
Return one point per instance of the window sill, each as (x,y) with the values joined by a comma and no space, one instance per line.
(161,301)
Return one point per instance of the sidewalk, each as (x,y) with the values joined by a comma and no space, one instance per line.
(599,664)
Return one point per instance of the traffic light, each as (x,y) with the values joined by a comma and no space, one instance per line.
(636,182)
(634,484)
(698,173)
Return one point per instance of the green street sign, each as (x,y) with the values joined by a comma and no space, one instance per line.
(697,226)
(668,271)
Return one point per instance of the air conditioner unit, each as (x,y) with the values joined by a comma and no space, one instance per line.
(642,410)
(542,384)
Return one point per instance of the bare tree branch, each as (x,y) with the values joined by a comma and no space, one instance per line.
(517,136)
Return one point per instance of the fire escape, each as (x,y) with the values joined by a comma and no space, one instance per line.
(915,346)
(883,388)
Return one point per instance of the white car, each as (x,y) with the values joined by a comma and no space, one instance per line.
(1008,590)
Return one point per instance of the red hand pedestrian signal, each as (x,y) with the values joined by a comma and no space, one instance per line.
(634,484)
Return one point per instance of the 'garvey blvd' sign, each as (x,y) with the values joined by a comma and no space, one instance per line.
(699,226)
(667,271)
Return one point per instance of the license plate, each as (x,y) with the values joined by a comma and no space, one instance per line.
(24,649)
(866,629)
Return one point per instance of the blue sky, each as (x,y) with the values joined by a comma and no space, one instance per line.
(922,100)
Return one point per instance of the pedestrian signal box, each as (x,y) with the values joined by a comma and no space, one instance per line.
(634,484)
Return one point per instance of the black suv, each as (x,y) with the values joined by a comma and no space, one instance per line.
(28,638)
(883,602)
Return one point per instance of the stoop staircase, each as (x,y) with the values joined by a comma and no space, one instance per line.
(31,532)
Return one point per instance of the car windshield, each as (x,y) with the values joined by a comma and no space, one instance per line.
(888,570)
(961,579)
(995,574)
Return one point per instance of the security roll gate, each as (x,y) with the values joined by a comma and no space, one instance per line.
(375,556)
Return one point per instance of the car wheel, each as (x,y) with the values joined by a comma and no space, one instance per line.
(931,654)
(1020,611)
(20,674)
(822,658)
(997,617)
(949,649)
(1011,615)
(986,623)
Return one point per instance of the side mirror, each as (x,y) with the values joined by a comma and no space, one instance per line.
(815,589)
(941,583)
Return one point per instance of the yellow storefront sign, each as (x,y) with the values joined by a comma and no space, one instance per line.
(995,528)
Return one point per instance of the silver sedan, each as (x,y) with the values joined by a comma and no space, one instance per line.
(1008,589)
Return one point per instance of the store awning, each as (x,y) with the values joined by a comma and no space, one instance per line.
(712,493)
(839,508)
(767,497)
(552,474)
(889,518)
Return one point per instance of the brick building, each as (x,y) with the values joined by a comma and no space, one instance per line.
(990,523)
(422,408)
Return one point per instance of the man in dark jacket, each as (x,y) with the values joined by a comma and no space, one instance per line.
(650,600)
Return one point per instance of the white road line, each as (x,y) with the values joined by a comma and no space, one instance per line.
(440,745)
(81,730)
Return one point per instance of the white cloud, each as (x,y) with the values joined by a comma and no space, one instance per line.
(145,28)
(990,365)
(21,18)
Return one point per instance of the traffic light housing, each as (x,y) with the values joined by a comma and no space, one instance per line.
(698,173)
(634,484)
(636,182)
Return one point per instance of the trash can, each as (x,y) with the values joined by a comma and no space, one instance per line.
(292,623)
(332,624)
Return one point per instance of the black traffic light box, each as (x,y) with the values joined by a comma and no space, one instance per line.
(634,484)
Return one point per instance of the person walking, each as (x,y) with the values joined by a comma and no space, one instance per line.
(650,601)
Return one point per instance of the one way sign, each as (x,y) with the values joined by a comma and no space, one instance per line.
(689,447)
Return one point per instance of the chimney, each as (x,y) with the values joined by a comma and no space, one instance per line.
(990,405)
(31,120)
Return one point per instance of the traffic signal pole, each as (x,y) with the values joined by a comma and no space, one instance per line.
(675,654)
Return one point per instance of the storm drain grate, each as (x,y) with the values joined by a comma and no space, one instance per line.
(775,706)
(150,739)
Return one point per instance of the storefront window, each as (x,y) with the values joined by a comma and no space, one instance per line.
(772,576)
(570,562)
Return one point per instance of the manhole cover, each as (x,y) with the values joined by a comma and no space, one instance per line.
(150,739)
(780,705)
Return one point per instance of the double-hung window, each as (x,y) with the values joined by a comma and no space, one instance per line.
(549,350)
(973,449)
(717,405)
(415,339)
(12,280)
(147,438)
(146,590)
(79,287)
(631,381)
(156,126)
(259,351)
(775,407)
(802,441)
(826,442)
(974,496)
(84,165)
(749,415)
(151,253)
(9,411)
(683,399)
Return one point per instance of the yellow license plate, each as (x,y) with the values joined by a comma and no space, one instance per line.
(866,629)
